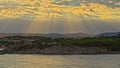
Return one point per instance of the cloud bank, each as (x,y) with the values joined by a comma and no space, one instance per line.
(59,15)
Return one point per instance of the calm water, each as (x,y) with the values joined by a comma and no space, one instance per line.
(59,61)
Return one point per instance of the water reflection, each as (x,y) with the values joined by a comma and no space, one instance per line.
(59,61)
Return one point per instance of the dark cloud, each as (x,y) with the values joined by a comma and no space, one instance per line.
(110,3)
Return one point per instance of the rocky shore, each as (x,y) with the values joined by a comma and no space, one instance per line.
(59,46)
(60,50)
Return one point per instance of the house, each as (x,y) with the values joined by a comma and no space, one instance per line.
(1,51)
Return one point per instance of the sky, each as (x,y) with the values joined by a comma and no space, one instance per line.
(59,16)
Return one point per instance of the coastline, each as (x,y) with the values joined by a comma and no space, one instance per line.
(62,54)
(110,53)
(60,50)
(59,46)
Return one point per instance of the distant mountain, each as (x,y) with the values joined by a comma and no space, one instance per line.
(57,35)
(108,34)
(79,35)
(52,35)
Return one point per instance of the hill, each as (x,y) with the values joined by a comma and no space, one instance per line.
(43,45)
(52,35)
(109,34)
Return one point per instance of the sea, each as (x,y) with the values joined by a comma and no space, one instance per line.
(59,61)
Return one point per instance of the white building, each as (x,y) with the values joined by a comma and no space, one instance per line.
(1,49)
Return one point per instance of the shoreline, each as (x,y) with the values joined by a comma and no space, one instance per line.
(60,54)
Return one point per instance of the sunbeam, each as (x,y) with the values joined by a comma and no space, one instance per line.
(60,16)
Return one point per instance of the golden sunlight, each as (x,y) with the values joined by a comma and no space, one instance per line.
(45,8)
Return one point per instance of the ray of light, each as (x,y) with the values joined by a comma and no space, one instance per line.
(45,16)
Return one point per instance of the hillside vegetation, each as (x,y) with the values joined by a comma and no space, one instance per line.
(44,45)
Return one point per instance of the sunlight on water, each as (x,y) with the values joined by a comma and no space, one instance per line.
(59,61)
